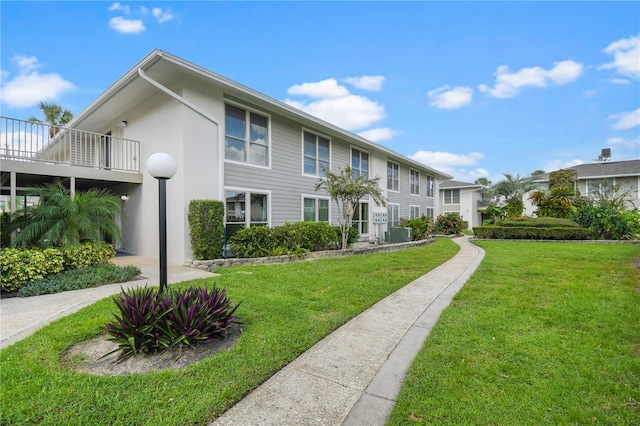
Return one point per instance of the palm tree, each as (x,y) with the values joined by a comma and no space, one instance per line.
(514,186)
(347,191)
(54,115)
(62,220)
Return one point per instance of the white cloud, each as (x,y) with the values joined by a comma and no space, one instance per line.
(379,134)
(334,103)
(324,89)
(120,8)
(553,165)
(626,56)
(624,143)
(126,26)
(446,97)
(626,120)
(30,87)
(619,81)
(162,15)
(440,158)
(367,82)
(508,84)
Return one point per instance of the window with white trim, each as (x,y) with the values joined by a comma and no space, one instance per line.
(360,163)
(430,212)
(451,196)
(246,136)
(414,182)
(315,209)
(600,186)
(393,176)
(393,216)
(244,209)
(414,212)
(361,218)
(430,184)
(316,152)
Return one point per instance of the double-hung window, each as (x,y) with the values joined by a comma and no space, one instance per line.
(246,136)
(451,196)
(244,209)
(598,187)
(414,212)
(361,218)
(315,209)
(429,186)
(316,152)
(393,176)
(414,182)
(430,212)
(360,163)
(392,216)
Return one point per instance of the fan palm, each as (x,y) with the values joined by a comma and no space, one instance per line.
(54,115)
(514,186)
(62,220)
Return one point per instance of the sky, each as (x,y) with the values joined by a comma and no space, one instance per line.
(474,89)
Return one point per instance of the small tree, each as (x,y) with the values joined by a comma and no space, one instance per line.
(513,188)
(54,115)
(347,191)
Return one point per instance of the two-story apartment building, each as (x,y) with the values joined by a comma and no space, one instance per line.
(261,156)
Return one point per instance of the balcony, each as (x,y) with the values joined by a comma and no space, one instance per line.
(32,142)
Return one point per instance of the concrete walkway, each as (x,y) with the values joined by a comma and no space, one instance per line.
(354,375)
(22,316)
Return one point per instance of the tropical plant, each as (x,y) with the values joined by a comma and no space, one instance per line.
(347,191)
(449,224)
(514,186)
(54,115)
(62,220)
(421,226)
(483,181)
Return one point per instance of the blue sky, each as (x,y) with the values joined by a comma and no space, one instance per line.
(475,89)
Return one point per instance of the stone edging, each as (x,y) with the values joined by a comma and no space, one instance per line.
(211,265)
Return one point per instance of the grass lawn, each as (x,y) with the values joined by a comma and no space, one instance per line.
(542,334)
(285,309)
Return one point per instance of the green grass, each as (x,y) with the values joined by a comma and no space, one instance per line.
(285,309)
(542,334)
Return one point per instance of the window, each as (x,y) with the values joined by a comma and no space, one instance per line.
(600,187)
(315,210)
(359,163)
(430,212)
(392,216)
(393,172)
(414,182)
(245,209)
(414,212)
(247,136)
(429,186)
(316,154)
(452,196)
(361,218)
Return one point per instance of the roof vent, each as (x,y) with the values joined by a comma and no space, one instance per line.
(605,155)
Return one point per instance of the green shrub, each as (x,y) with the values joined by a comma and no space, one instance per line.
(609,223)
(18,267)
(5,230)
(87,254)
(449,224)
(353,236)
(256,241)
(150,322)
(531,233)
(76,279)
(421,226)
(538,222)
(310,236)
(514,207)
(206,228)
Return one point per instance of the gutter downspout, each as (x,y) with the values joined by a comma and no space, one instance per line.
(204,114)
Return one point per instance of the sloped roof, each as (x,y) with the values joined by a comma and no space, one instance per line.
(454,184)
(603,169)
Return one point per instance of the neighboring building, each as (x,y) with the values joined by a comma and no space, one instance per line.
(463,198)
(595,177)
(231,143)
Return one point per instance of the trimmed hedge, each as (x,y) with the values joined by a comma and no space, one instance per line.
(538,222)
(87,254)
(206,228)
(531,233)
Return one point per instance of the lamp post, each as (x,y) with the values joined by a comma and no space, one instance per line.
(162,167)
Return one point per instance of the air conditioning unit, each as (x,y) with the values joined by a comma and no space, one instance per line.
(400,235)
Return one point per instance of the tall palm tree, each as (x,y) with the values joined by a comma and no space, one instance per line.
(514,186)
(62,220)
(54,115)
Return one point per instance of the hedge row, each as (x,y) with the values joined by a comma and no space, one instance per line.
(538,222)
(530,233)
(18,266)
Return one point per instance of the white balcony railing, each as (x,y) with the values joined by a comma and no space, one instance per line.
(39,142)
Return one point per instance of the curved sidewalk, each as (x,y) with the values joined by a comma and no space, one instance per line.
(353,376)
